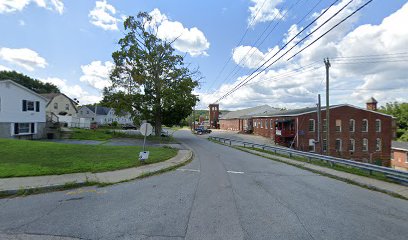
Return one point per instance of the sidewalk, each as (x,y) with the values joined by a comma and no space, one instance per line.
(391,188)
(14,185)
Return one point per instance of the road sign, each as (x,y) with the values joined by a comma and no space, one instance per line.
(146,129)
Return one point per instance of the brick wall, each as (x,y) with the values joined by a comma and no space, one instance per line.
(230,124)
(399,159)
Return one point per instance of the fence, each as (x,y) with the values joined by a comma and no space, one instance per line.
(396,175)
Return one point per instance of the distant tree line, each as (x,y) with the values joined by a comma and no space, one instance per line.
(28,82)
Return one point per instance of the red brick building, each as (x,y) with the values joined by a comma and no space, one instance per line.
(355,133)
(214,116)
(241,120)
(399,155)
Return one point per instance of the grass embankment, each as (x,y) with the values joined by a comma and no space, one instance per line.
(106,134)
(31,158)
(337,166)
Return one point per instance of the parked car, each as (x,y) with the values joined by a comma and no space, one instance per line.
(201,130)
(128,126)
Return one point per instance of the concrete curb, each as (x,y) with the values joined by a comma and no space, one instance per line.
(12,186)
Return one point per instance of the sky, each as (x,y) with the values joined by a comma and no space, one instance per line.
(69,43)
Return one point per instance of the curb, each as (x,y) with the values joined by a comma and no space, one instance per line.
(103,178)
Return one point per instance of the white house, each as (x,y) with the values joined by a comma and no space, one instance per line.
(22,112)
(104,115)
(60,104)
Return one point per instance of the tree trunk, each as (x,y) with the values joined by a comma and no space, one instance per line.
(158,123)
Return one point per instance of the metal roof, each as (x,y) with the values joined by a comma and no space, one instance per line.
(399,145)
(249,112)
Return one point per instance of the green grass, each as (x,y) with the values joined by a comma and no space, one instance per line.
(106,134)
(33,158)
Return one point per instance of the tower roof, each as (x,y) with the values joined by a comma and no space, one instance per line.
(371,100)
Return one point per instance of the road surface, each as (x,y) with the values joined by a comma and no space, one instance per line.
(222,194)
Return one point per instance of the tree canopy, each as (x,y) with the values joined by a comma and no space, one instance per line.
(149,79)
(28,82)
(400,111)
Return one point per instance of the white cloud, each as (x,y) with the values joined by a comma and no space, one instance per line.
(23,57)
(264,11)
(73,91)
(252,57)
(4,68)
(386,79)
(9,6)
(96,74)
(21,23)
(192,41)
(103,16)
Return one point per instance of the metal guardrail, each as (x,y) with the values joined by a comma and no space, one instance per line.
(396,175)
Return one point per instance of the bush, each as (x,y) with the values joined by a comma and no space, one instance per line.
(114,124)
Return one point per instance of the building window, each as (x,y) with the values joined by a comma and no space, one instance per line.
(66,106)
(311,145)
(55,105)
(254,123)
(266,123)
(352,145)
(324,125)
(324,145)
(261,124)
(338,125)
(338,145)
(30,106)
(311,125)
(24,128)
(378,145)
(352,125)
(392,154)
(365,144)
(365,126)
(378,125)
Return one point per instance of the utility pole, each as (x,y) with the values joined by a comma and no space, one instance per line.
(319,122)
(194,127)
(327,64)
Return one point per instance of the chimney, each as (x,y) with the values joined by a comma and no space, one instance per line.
(372,104)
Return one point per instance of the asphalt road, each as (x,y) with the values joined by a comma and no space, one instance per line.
(223,194)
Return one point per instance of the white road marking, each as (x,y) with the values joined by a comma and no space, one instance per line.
(235,172)
(188,170)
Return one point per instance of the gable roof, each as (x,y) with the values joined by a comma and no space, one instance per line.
(99,109)
(249,112)
(24,88)
(399,145)
(51,96)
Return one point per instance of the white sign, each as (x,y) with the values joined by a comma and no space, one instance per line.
(146,129)
(143,155)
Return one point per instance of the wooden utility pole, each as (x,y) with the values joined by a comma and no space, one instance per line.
(327,64)
(319,122)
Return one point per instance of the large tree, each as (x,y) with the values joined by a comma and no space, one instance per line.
(149,79)
(28,82)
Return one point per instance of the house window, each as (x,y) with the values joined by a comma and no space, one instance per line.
(352,125)
(254,123)
(338,125)
(311,145)
(55,105)
(311,125)
(338,145)
(31,106)
(378,145)
(324,125)
(266,123)
(324,145)
(24,128)
(365,144)
(378,125)
(66,106)
(352,145)
(365,126)
(261,124)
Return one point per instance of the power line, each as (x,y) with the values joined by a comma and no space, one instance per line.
(249,78)
(240,41)
(344,19)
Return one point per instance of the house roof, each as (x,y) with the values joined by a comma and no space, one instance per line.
(371,100)
(22,87)
(399,145)
(301,111)
(249,112)
(99,109)
(51,96)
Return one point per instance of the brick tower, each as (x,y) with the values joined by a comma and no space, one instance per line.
(372,104)
(214,115)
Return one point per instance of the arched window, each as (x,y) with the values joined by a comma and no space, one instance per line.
(364,127)
(352,125)
(378,125)
(378,145)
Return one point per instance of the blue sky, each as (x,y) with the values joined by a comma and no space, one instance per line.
(69,43)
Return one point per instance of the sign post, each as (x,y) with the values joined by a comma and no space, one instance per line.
(145,129)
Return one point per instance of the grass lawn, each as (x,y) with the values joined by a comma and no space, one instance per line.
(106,134)
(32,158)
